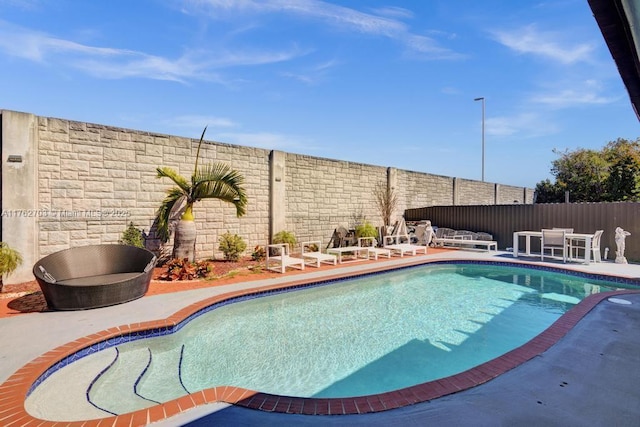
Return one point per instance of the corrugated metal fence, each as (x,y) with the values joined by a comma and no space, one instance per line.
(502,220)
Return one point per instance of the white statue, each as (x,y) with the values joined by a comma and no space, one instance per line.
(429,233)
(621,235)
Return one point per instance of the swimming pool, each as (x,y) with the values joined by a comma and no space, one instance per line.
(383,323)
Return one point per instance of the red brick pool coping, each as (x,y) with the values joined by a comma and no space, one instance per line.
(13,391)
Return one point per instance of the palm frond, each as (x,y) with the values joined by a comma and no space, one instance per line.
(195,168)
(174,196)
(173,175)
(219,181)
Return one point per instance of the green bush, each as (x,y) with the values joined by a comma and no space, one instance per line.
(132,236)
(285,237)
(366,229)
(232,246)
(10,260)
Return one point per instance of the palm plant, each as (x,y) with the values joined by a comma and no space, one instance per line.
(10,260)
(210,181)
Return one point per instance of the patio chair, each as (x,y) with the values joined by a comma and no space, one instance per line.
(595,247)
(281,260)
(554,240)
(312,255)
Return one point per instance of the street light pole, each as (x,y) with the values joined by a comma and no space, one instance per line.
(482,99)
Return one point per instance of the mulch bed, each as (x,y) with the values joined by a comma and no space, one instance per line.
(27,297)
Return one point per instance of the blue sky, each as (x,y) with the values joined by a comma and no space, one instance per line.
(389,83)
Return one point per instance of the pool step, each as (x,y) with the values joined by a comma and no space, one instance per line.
(48,402)
(161,382)
(113,390)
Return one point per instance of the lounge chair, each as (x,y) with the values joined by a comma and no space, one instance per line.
(281,260)
(371,244)
(312,255)
(395,245)
(94,276)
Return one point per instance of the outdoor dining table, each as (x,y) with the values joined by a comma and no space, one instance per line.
(586,237)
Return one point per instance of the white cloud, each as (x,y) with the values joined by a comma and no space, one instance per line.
(530,40)
(271,141)
(524,125)
(313,75)
(570,94)
(384,24)
(123,63)
(197,121)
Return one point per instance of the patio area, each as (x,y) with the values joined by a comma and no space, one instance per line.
(589,377)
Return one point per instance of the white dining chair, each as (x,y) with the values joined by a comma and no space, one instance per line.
(595,247)
(554,240)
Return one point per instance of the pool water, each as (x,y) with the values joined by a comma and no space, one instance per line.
(351,338)
(375,334)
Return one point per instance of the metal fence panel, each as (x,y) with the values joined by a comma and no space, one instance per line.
(502,220)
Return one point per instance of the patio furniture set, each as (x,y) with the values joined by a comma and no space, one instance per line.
(571,246)
(279,255)
(102,275)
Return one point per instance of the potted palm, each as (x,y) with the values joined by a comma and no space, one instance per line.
(211,181)
(10,260)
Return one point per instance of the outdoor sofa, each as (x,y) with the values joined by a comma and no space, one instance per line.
(94,276)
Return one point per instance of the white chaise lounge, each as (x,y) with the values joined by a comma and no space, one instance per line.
(394,244)
(314,257)
(371,244)
(281,258)
(461,242)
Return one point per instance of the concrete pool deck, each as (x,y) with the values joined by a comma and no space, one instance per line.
(590,377)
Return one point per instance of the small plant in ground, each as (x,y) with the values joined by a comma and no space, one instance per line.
(132,236)
(232,246)
(259,253)
(366,229)
(183,269)
(285,237)
(10,260)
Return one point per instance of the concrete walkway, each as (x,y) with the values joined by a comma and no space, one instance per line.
(590,377)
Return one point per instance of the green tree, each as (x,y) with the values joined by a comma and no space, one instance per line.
(548,192)
(583,173)
(623,183)
(210,181)
(611,174)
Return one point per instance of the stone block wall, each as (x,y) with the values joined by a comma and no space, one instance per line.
(83,183)
(93,180)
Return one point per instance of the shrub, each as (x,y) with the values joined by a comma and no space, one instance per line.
(183,269)
(259,253)
(232,246)
(132,236)
(285,237)
(366,229)
(10,260)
